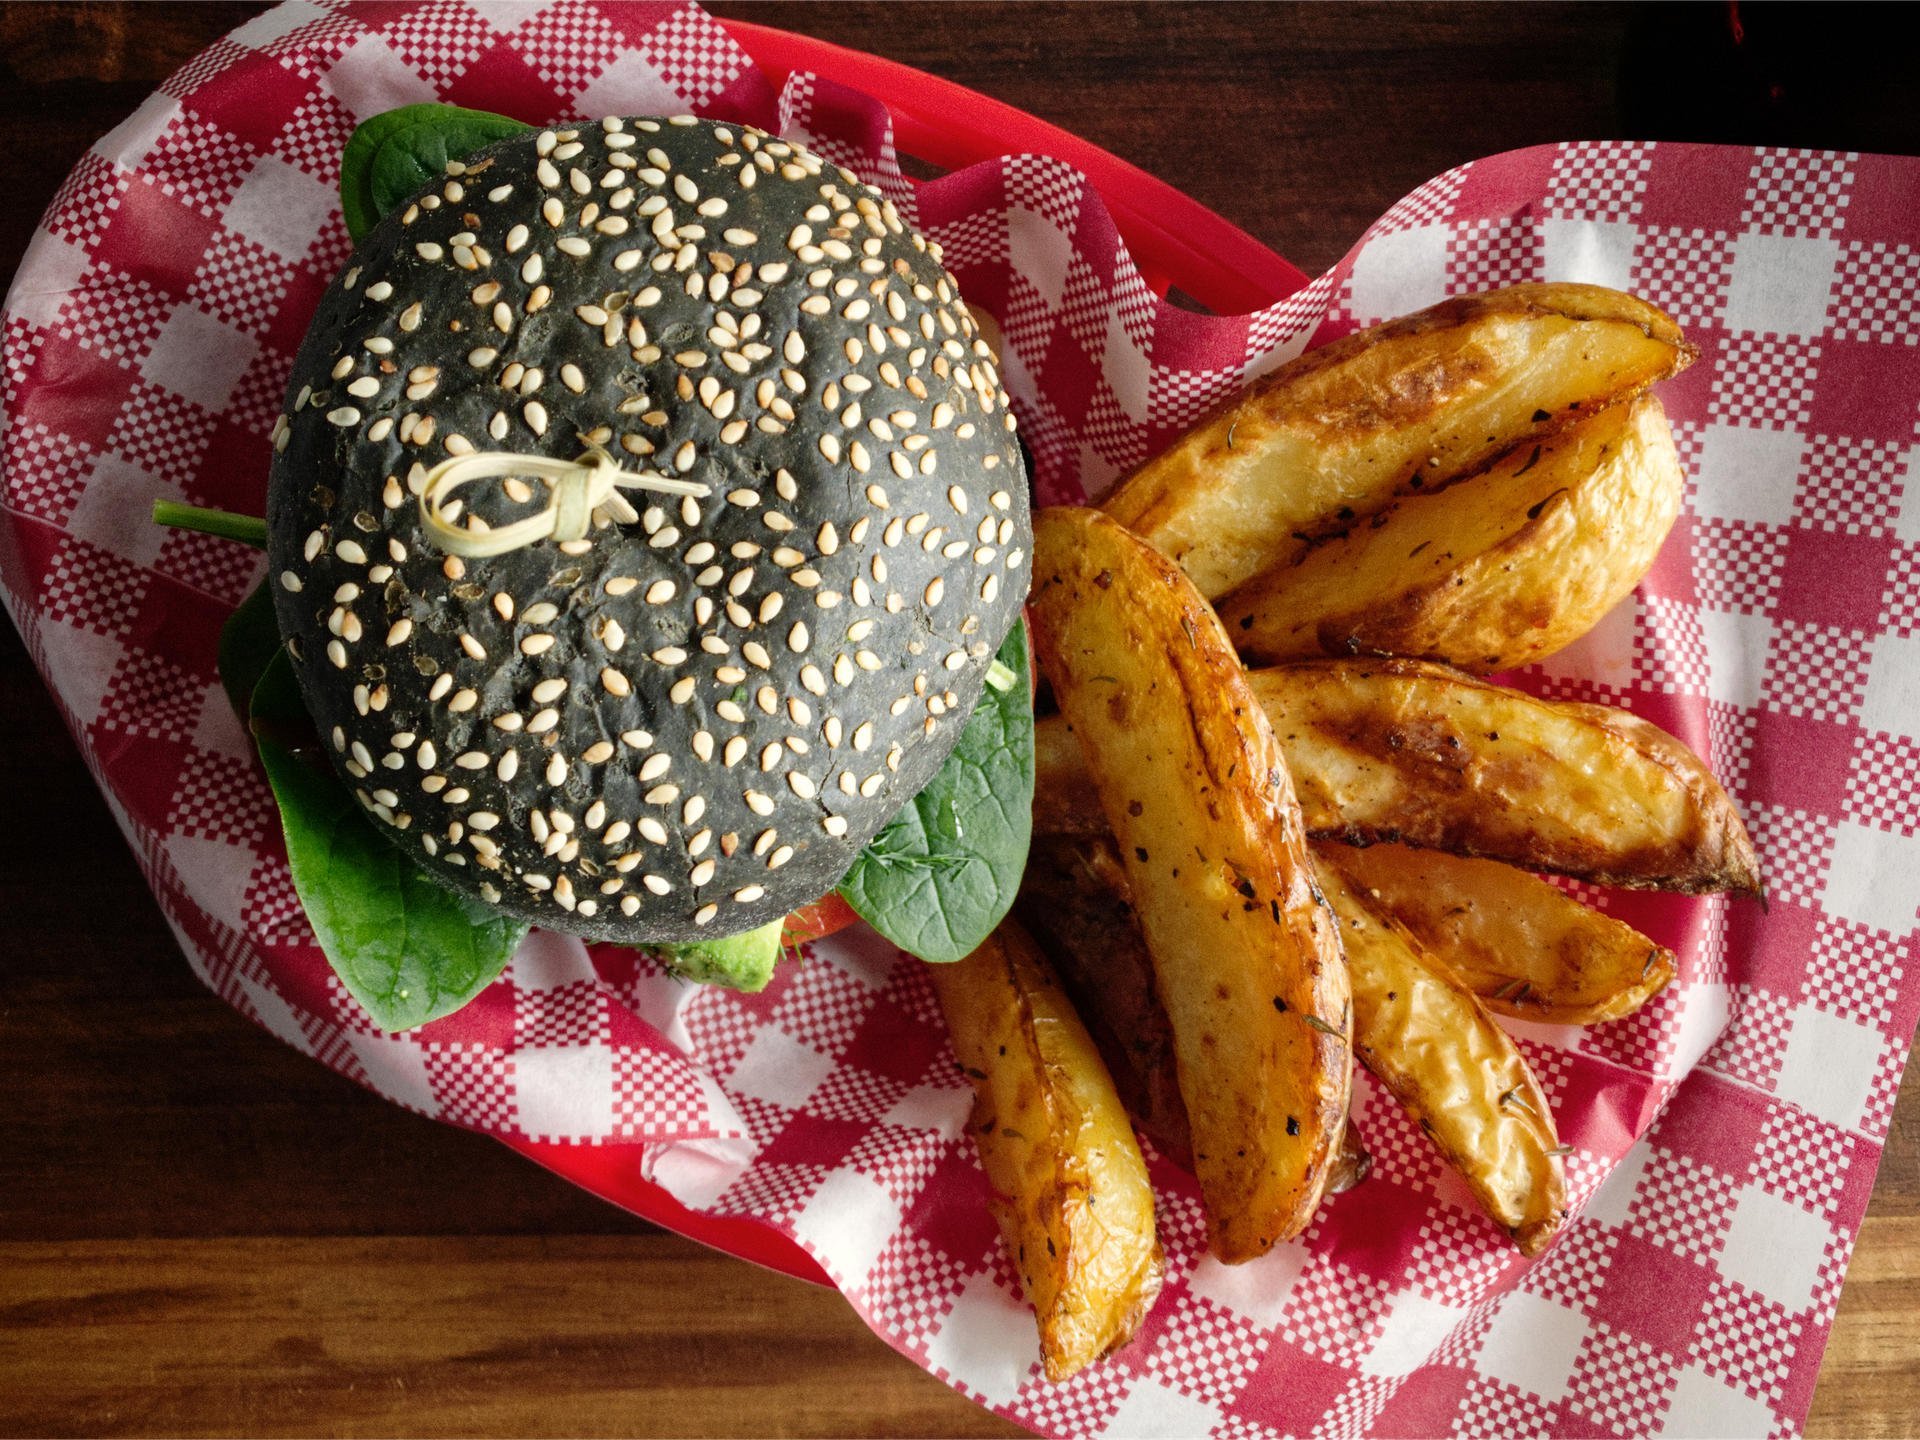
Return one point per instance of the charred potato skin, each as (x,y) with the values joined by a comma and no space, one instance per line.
(1070,1184)
(1342,429)
(1496,571)
(1524,947)
(1247,964)
(1418,753)
(1076,905)
(1074,902)
(1425,1036)
(1422,754)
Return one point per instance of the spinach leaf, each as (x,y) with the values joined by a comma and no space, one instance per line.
(396,152)
(248,642)
(356,165)
(944,871)
(406,949)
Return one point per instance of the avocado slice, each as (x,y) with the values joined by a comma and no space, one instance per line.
(738,962)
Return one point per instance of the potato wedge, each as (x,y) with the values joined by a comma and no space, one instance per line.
(1416,752)
(1245,955)
(1064,800)
(1075,902)
(1434,1046)
(1524,947)
(1070,1185)
(1405,406)
(1429,756)
(1496,571)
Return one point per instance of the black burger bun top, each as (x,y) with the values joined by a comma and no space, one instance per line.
(689,720)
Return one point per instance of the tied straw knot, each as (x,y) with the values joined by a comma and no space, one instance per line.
(576,489)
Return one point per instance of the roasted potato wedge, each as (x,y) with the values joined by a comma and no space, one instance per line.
(1409,405)
(1524,947)
(1070,1185)
(1064,801)
(1416,752)
(1496,571)
(1434,1046)
(1075,902)
(1420,753)
(1245,955)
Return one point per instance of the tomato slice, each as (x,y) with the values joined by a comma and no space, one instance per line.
(818,920)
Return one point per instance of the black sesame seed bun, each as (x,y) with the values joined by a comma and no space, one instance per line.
(687,725)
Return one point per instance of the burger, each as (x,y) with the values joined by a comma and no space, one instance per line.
(644,522)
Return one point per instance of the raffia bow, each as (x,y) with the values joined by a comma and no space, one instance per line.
(576,489)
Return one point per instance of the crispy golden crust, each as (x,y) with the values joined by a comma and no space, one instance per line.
(1416,752)
(1246,958)
(1409,751)
(1074,902)
(1409,405)
(1433,1045)
(1526,948)
(1070,1185)
(1496,571)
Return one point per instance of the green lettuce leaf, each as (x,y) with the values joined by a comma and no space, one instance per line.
(393,154)
(944,871)
(406,949)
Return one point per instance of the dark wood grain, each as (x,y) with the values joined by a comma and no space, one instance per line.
(203,1232)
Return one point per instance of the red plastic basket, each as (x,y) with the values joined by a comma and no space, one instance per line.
(1174,240)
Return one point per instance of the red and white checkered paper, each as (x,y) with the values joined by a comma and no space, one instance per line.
(148,337)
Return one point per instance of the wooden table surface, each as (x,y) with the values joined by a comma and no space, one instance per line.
(203,1232)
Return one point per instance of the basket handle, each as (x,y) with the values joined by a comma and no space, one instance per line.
(1172,238)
